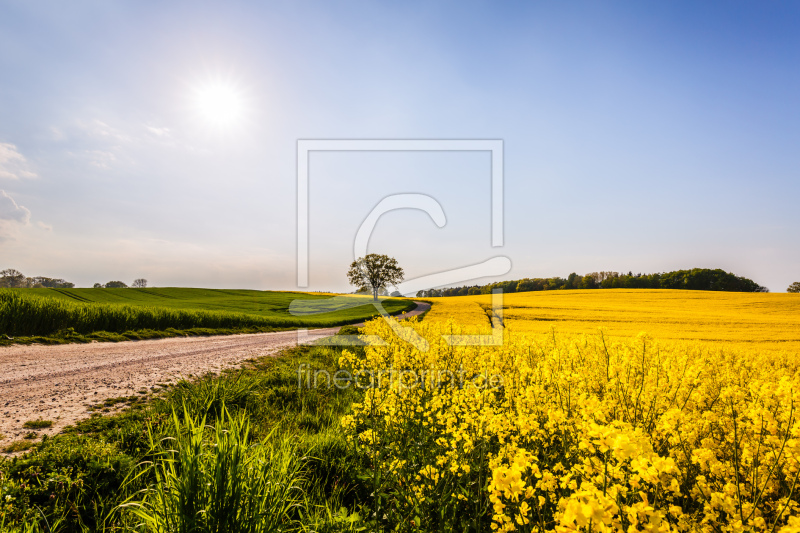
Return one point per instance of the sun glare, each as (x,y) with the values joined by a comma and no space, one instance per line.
(219,104)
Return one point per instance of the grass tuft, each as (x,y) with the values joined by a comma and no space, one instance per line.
(38,424)
(19,446)
(214,478)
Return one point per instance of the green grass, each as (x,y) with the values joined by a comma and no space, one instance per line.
(64,313)
(37,424)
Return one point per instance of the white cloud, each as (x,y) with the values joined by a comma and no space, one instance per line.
(46,227)
(13,164)
(158,132)
(12,215)
(100,130)
(102,159)
(10,210)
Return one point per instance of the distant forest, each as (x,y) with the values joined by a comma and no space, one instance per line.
(696,279)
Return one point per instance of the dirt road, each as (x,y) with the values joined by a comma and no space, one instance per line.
(58,383)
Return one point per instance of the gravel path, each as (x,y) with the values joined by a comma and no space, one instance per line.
(58,383)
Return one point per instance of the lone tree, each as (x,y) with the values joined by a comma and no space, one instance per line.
(794,287)
(374,272)
(139,283)
(116,285)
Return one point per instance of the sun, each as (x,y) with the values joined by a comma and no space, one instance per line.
(220,104)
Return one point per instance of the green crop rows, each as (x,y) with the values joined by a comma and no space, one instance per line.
(45,312)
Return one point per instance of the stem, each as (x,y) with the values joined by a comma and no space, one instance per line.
(736,462)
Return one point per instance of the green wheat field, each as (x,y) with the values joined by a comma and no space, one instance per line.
(104,314)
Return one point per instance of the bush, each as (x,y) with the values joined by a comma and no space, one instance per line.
(349,330)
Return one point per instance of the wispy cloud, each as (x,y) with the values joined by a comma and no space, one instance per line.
(12,215)
(157,131)
(100,130)
(13,164)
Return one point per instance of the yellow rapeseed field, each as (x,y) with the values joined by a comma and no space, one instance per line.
(466,310)
(750,321)
(692,426)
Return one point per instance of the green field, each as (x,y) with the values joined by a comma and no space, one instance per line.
(45,312)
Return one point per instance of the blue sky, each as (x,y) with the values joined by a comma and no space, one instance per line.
(637,136)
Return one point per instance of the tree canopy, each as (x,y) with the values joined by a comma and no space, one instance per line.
(374,273)
(794,287)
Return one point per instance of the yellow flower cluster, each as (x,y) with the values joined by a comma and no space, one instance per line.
(581,433)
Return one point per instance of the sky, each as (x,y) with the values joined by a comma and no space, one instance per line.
(159,140)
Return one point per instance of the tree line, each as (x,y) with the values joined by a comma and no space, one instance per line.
(11,278)
(700,279)
(14,279)
(139,283)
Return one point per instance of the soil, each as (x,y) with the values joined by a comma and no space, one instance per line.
(62,383)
